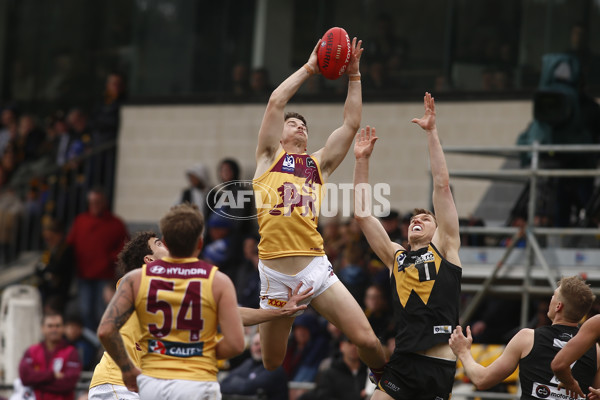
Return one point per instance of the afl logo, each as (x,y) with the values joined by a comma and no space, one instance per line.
(157,269)
(542,391)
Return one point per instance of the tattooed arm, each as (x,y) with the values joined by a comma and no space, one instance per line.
(117,313)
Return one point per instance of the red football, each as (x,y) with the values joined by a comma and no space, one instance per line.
(334,53)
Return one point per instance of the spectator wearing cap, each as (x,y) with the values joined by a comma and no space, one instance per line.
(199,186)
(306,349)
(220,251)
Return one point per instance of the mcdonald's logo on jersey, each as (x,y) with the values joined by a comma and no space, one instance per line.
(299,160)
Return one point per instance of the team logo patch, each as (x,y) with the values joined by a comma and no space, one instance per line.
(276,303)
(288,163)
(157,269)
(542,391)
(310,163)
(400,260)
(182,350)
(442,329)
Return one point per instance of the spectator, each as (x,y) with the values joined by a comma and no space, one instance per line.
(56,266)
(233,199)
(97,236)
(52,366)
(220,250)
(84,340)
(199,184)
(105,128)
(68,147)
(353,273)
(345,379)
(306,349)
(260,84)
(8,127)
(240,85)
(248,279)
(251,377)
(29,139)
(377,310)
(391,224)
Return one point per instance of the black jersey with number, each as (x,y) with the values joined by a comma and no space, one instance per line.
(536,376)
(426,294)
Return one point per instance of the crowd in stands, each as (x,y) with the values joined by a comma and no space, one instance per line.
(45,161)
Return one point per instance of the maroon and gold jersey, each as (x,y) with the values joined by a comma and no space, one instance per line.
(177,313)
(288,199)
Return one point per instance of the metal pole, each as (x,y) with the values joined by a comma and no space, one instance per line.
(488,281)
(538,252)
(530,222)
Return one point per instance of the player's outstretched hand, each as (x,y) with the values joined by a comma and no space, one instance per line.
(356,52)
(295,297)
(460,343)
(312,60)
(427,122)
(365,142)
(130,379)
(594,394)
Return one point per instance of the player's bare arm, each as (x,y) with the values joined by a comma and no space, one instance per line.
(118,311)
(447,237)
(574,350)
(339,142)
(229,318)
(374,232)
(269,134)
(254,316)
(501,368)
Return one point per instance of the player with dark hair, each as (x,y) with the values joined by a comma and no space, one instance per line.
(179,301)
(532,350)
(425,278)
(146,247)
(291,249)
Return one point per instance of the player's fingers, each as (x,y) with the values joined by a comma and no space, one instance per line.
(307,292)
(469,331)
(298,287)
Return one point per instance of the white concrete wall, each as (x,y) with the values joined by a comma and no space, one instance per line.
(157,144)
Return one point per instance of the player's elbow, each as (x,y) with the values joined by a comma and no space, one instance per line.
(558,365)
(104,332)
(230,348)
(277,99)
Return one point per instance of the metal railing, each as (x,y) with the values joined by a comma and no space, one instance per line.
(530,232)
(44,189)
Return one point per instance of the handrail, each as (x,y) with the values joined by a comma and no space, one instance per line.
(526,174)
